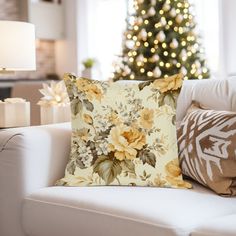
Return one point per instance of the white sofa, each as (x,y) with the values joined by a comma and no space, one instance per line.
(33,158)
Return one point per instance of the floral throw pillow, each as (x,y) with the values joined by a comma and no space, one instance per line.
(123,134)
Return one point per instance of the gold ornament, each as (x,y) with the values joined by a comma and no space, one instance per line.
(151,11)
(140,1)
(140,58)
(130,44)
(172,12)
(157,72)
(183,70)
(153,2)
(139,21)
(143,34)
(163,21)
(127,70)
(174,44)
(161,36)
(166,7)
(179,18)
(154,58)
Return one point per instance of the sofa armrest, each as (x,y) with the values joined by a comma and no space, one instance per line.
(30,158)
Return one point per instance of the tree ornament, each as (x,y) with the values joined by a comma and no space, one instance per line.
(172,13)
(163,21)
(166,7)
(126,59)
(154,58)
(143,34)
(157,72)
(183,70)
(140,1)
(130,44)
(153,2)
(151,11)
(139,21)
(183,53)
(198,64)
(161,36)
(199,71)
(127,70)
(179,18)
(140,58)
(174,44)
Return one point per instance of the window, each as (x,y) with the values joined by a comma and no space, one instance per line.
(106,24)
(207,18)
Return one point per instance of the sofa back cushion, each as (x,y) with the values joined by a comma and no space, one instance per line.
(212,93)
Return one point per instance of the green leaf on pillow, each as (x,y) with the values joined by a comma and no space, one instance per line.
(167,99)
(141,86)
(76,106)
(173,120)
(71,168)
(107,169)
(128,166)
(148,157)
(80,164)
(88,105)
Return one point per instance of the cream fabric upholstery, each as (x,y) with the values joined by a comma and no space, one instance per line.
(30,158)
(115,211)
(33,158)
(221,226)
(214,94)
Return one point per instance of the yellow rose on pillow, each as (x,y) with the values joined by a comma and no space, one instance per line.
(173,82)
(125,141)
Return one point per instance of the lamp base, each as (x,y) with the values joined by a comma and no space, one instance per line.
(5,71)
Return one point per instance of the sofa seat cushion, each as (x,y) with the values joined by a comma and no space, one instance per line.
(222,226)
(115,211)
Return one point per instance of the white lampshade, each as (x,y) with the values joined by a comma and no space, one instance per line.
(17,46)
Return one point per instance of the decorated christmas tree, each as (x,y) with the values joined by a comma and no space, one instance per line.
(160,41)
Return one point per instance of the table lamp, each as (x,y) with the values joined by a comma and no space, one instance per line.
(17,53)
(17,46)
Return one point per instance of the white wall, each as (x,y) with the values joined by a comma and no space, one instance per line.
(66,49)
(74,48)
(228,36)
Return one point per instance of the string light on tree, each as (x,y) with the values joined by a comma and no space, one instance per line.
(161,40)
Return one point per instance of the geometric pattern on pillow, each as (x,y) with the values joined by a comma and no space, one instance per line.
(123,134)
(207,148)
